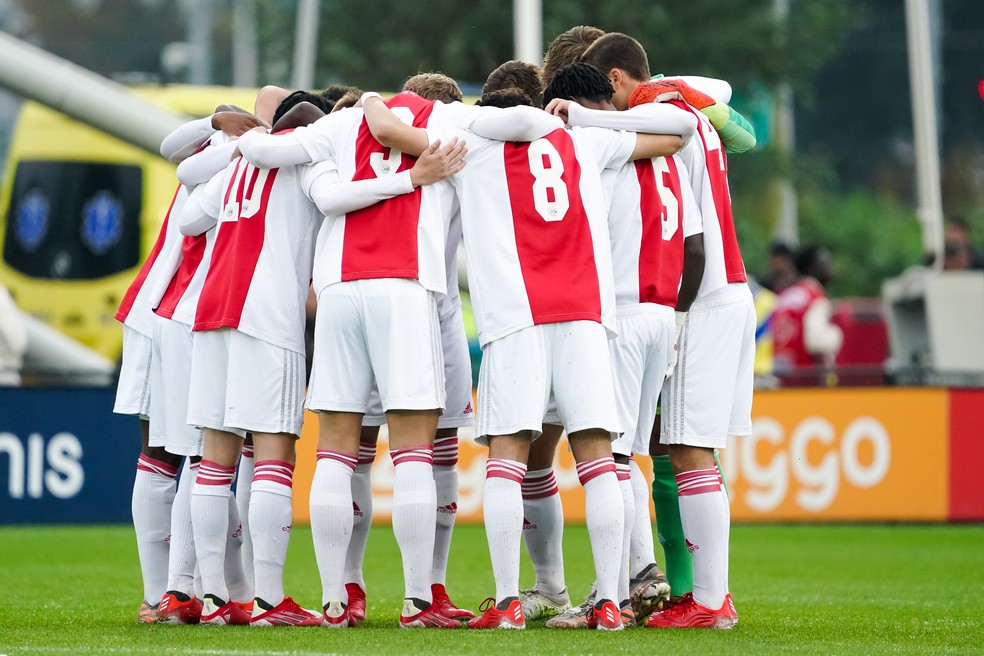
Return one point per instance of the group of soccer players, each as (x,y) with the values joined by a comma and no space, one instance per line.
(602,261)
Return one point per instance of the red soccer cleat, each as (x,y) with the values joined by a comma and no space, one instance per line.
(286,613)
(175,610)
(687,614)
(413,617)
(493,618)
(356,601)
(605,616)
(445,606)
(218,612)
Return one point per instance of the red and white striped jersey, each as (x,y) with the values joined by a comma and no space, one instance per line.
(704,157)
(402,237)
(652,211)
(147,288)
(261,261)
(534,217)
(180,300)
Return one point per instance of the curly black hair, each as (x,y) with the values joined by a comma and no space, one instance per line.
(579,80)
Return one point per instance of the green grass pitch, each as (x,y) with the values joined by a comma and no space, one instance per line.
(798,589)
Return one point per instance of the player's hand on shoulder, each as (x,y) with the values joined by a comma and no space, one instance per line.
(439,162)
(236,123)
(559,107)
(669,89)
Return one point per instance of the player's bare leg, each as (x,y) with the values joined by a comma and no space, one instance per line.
(210,501)
(706,518)
(154,488)
(543,529)
(411,444)
(604,514)
(331,508)
(503,509)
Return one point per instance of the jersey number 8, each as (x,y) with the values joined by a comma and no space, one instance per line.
(549,189)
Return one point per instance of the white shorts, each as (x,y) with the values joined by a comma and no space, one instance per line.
(240,383)
(457,379)
(133,389)
(640,355)
(709,396)
(170,376)
(384,331)
(520,370)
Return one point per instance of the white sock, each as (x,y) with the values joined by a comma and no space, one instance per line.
(361,514)
(624,475)
(641,547)
(706,518)
(415,516)
(153,495)
(543,529)
(181,557)
(605,516)
(210,520)
(446,485)
(244,480)
(503,508)
(239,588)
(331,520)
(270,520)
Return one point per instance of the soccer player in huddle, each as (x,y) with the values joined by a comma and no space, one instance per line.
(716,342)
(140,391)
(522,204)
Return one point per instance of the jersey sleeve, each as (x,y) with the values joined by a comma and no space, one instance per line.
(720,90)
(335,196)
(456,115)
(611,149)
(201,210)
(651,118)
(186,139)
(514,123)
(201,167)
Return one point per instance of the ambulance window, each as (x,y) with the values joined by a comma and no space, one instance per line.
(73,220)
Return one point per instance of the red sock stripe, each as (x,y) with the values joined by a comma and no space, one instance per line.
(367,453)
(275,471)
(540,486)
(153,466)
(247,450)
(338,456)
(446,452)
(587,471)
(508,469)
(699,481)
(212,473)
(423,453)
(623,471)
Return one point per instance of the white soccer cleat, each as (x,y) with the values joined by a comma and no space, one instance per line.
(539,605)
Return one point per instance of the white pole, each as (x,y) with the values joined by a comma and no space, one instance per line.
(245,59)
(200,36)
(305,44)
(528,31)
(785,131)
(929,197)
(83,95)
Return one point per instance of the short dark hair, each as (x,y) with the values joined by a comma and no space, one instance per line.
(335,92)
(298,97)
(567,48)
(807,257)
(517,74)
(617,50)
(579,80)
(508,97)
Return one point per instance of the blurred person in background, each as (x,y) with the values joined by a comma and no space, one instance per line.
(958,252)
(805,339)
(781,272)
(13,340)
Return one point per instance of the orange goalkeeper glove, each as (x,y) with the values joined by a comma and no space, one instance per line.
(669,89)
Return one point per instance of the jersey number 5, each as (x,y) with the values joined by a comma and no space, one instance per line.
(549,189)
(670,218)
